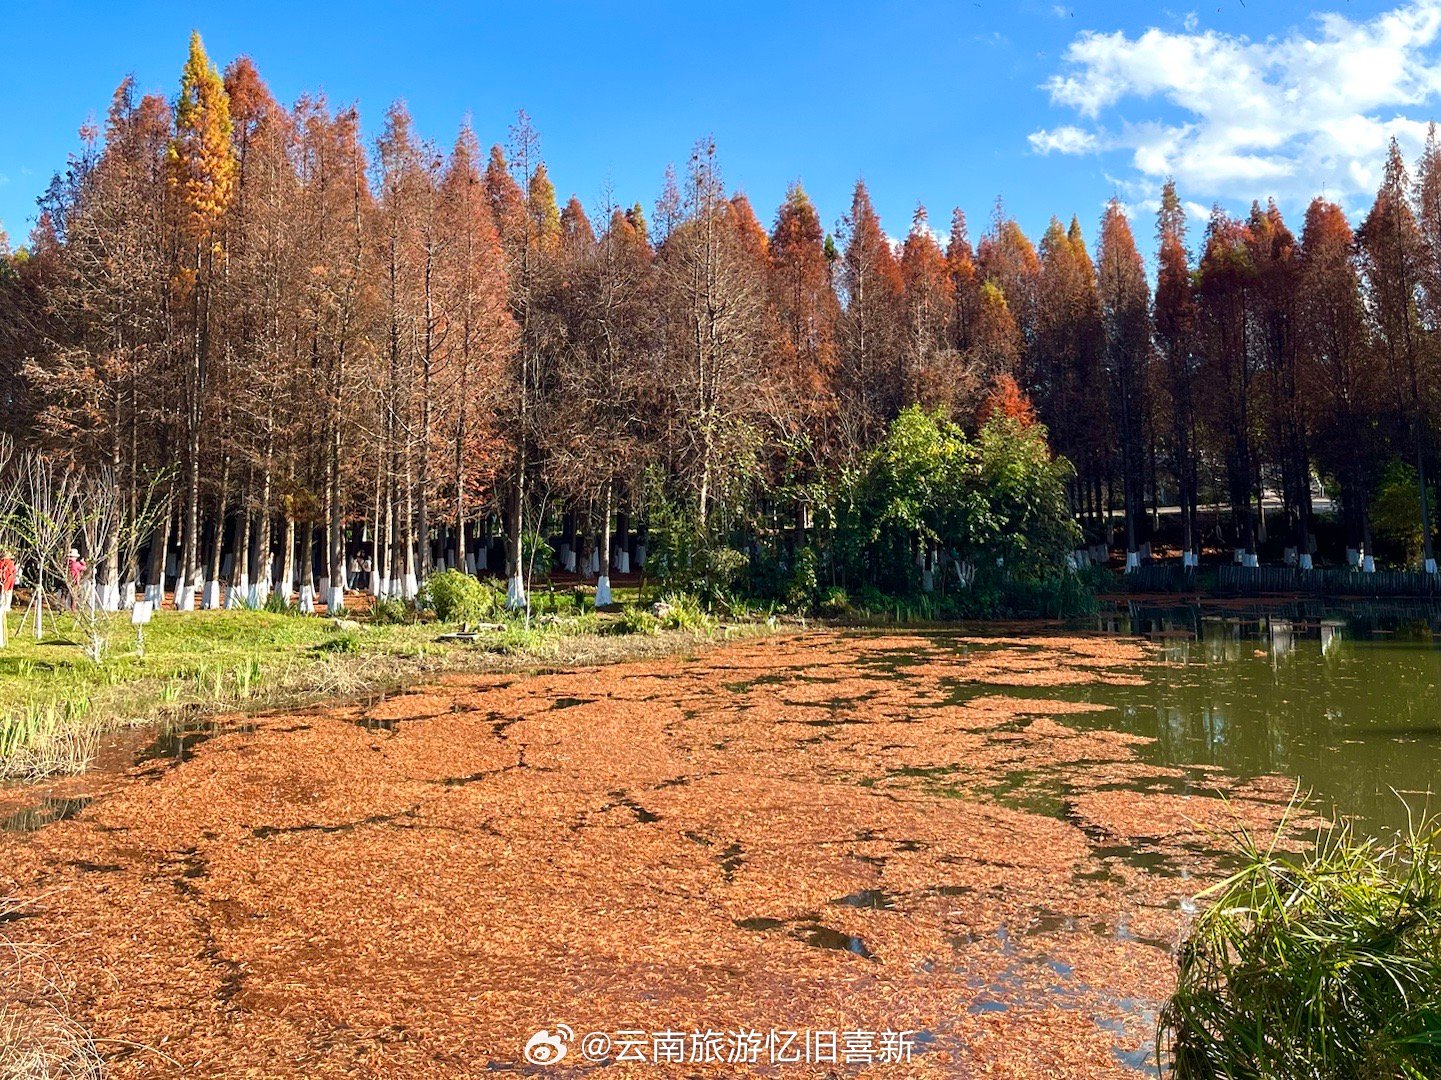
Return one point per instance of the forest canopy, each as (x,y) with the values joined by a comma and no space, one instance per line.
(309,344)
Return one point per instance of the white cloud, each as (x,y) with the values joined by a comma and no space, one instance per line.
(1233,119)
(1066,139)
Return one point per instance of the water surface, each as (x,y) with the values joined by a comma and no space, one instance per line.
(1347,700)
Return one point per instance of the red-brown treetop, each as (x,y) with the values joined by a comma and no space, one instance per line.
(1007,399)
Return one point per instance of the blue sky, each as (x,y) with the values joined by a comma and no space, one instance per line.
(1054,106)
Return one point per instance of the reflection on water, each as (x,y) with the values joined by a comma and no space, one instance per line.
(1345,699)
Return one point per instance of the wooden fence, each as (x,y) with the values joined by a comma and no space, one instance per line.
(1256,581)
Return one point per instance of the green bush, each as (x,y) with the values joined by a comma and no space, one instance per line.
(927,486)
(1323,967)
(635,620)
(344,643)
(834,603)
(680,611)
(457,597)
(800,592)
(1396,513)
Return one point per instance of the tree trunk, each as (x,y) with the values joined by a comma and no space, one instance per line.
(602,585)
(515,596)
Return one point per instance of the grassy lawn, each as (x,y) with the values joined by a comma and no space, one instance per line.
(55,703)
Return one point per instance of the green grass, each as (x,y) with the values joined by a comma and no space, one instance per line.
(1322,966)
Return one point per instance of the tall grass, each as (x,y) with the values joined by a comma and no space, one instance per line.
(1318,967)
(39,1039)
(47,737)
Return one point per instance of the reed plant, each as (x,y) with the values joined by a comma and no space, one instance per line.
(1318,966)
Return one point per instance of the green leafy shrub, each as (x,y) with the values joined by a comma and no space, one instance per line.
(1396,513)
(457,597)
(1323,967)
(538,556)
(800,592)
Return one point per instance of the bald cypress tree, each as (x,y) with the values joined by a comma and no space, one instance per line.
(870,325)
(1391,249)
(1175,316)
(1125,316)
(202,175)
(1338,376)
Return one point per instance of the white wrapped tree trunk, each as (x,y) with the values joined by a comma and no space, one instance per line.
(1133,561)
(470,563)
(410,586)
(184,594)
(238,593)
(335,601)
(602,591)
(515,592)
(307,599)
(1368,564)
(210,599)
(127,595)
(1305,562)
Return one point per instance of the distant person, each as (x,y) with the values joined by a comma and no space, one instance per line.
(75,573)
(9,575)
(354,572)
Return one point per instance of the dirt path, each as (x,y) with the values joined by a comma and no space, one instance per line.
(819,832)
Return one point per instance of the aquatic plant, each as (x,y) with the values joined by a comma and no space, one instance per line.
(1326,965)
(47,736)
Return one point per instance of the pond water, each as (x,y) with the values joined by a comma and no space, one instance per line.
(1346,699)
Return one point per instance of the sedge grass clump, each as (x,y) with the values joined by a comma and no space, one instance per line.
(683,611)
(636,620)
(1317,967)
(47,737)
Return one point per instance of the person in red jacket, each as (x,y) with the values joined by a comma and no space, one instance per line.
(75,569)
(8,576)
